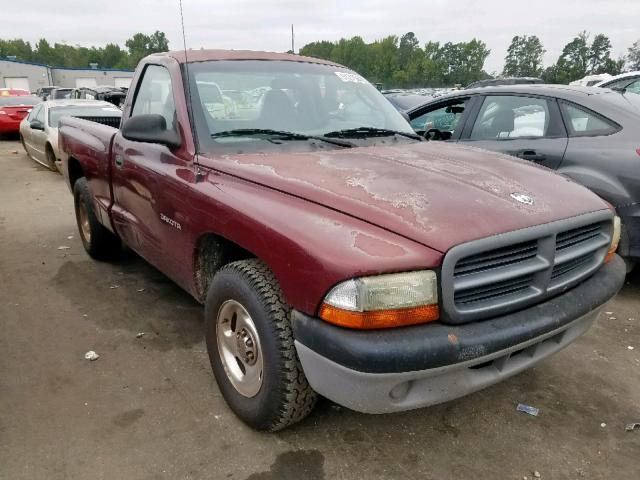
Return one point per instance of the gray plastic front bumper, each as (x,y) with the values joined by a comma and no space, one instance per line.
(381,371)
(393,392)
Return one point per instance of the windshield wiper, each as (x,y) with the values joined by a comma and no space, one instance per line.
(269,134)
(364,132)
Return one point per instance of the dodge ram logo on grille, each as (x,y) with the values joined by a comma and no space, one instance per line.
(522,198)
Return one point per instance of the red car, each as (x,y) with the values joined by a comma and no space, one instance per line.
(13,92)
(13,109)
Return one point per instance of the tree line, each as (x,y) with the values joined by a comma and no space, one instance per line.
(395,62)
(109,56)
(402,62)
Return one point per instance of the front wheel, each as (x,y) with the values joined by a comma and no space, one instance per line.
(251,348)
(99,242)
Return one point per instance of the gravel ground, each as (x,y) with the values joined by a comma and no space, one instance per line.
(149,408)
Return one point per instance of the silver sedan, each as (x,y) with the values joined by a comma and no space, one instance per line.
(39,130)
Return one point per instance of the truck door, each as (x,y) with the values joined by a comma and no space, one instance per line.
(148,192)
(524,126)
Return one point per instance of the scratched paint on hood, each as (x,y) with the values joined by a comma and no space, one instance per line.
(435,193)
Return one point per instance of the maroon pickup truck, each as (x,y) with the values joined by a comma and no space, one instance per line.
(336,252)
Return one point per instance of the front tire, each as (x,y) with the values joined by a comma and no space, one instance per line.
(251,348)
(99,242)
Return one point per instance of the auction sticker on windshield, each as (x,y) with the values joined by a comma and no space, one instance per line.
(350,77)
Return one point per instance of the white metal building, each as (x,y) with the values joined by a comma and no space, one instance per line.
(31,76)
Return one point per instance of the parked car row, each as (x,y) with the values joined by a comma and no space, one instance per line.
(39,130)
(36,120)
(114,95)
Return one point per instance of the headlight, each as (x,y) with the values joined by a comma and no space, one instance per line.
(383,301)
(615,239)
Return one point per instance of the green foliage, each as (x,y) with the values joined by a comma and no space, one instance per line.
(394,62)
(579,58)
(401,62)
(633,57)
(524,57)
(109,56)
(141,45)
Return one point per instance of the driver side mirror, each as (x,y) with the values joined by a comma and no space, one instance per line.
(150,128)
(36,125)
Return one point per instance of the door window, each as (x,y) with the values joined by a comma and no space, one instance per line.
(40,115)
(34,112)
(629,84)
(582,122)
(155,95)
(445,118)
(508,117)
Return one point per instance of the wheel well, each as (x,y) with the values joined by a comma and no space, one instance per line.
(212,252)
(74,170)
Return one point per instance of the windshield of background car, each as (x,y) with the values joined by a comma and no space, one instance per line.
(297,97)
(19,100)
(56,113)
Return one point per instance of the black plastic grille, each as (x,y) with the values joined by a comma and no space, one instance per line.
(495,258)
(490,281)
(104,120)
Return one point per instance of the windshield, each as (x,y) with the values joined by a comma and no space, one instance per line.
(19,101)
(62,93)
(236,102)
(56,113)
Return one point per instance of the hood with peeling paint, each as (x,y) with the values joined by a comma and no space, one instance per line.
(437,194)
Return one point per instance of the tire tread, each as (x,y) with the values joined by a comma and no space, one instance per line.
(297,397)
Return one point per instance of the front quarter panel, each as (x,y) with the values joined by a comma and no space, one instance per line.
(309,247)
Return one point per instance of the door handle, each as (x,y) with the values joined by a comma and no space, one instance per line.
(119,161)
(531,155)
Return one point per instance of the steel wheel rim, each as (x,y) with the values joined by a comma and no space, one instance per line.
(83,222)
(239,348)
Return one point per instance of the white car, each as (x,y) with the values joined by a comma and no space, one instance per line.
(39,130)
(629,81)
(591,80)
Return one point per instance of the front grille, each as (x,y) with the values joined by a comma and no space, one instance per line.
(104,120)
(496,275)
(500,257)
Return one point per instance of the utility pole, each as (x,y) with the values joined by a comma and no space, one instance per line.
(293,48)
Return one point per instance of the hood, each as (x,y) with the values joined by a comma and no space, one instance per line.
(435,193)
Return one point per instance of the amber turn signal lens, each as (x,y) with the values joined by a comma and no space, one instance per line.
(615,240)
(370,320)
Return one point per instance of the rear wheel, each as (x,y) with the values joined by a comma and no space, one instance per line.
(51,158)
(630,264)
(99,242)
(251,348)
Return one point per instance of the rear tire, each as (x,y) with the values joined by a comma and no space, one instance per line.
(99,242)
(51,158)
(247,323)
(630,264)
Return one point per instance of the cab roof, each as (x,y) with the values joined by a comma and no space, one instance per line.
(212,55)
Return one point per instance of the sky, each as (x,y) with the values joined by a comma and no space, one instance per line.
(266,24)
